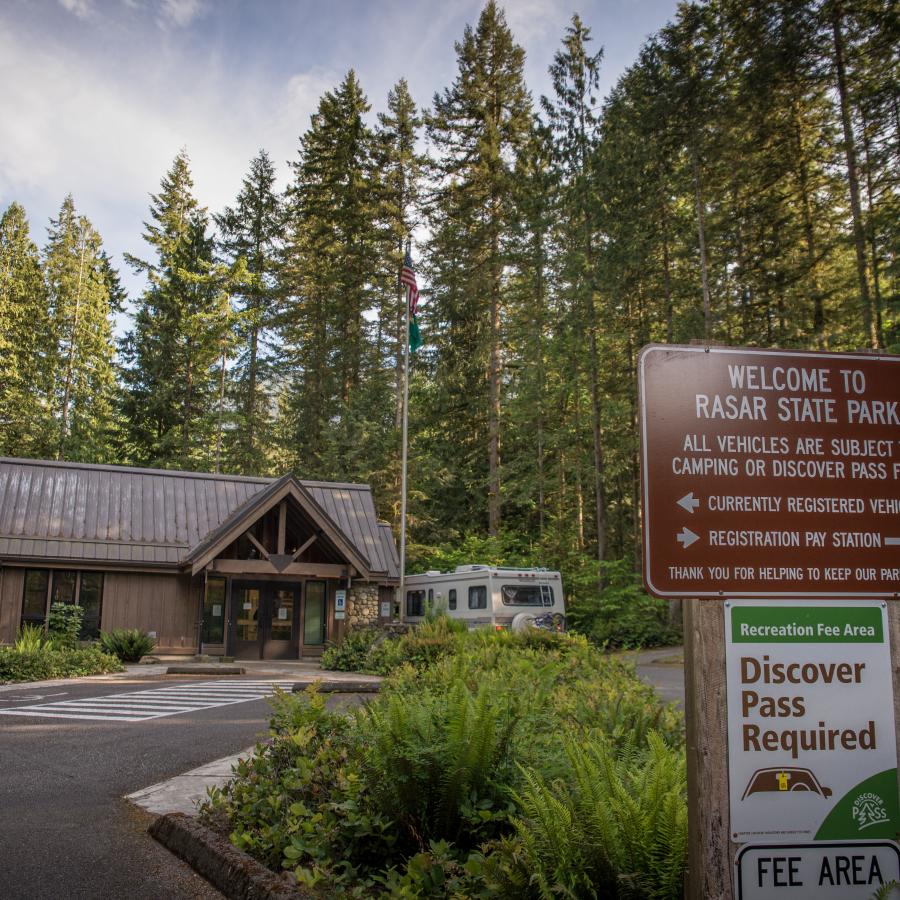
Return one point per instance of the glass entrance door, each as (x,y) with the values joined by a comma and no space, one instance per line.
(246,600)
(314,623)
(282,602)
(265,618)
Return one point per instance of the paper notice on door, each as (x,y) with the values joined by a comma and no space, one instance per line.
(282,613)
(248,606)
(217,609)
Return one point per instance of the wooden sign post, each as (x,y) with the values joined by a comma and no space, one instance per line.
(765,474)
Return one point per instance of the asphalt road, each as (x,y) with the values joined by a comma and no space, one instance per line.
(663,667)
(65,831)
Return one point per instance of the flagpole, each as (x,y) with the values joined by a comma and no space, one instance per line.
(403,456)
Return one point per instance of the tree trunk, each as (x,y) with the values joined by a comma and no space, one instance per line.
(70,363)
(812,261)
(873,238)
(494,383)
(701,236)
(221,410)
(859,240)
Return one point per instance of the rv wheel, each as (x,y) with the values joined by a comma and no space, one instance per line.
(523,621)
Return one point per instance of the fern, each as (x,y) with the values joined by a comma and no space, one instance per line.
(617,828)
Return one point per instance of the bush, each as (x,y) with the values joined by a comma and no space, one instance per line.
(54,662)
(614,828)
(378,653)
(623,615)
(64,624)
(355,652)
(434,789)
(128,644)
(31,639)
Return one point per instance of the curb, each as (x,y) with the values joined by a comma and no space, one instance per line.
(332,686)
(205,670)
(234,873)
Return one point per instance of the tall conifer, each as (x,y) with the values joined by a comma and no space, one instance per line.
(477,128)
(27,353)
(252,231)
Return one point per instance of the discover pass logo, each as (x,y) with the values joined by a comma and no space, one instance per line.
(869,809)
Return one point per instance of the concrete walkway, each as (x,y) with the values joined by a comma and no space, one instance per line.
(303,671)
(184,792)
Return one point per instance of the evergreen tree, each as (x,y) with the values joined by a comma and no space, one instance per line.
(174,351)
(252,231)
(79,279)
(331,253)
(575,77)
(477,128)
(26,348)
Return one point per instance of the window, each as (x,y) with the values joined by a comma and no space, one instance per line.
(90,592)
(415,601)
(522,595)
(34,603)
(63,586)
(478,597)
(451,598)
(214,612)
(547,594)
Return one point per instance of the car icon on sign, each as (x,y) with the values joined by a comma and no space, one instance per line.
(784,779)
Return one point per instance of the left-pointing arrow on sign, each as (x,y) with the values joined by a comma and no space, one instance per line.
(687,537)
(688,502)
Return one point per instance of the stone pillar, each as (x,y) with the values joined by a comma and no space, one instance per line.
(362,605)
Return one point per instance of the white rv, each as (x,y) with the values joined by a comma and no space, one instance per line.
(489,596)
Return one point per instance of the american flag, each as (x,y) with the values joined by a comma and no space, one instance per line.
(408,278)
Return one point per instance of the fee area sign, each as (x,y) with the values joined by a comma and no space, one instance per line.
(812,751)
(769,473)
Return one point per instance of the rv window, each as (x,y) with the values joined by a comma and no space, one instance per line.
(415,600)
(451,598)
(478,597)
(521,595)
(547,594)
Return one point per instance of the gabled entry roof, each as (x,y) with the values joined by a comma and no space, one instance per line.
(59,511)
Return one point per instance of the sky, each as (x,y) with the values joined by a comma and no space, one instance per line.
(99,95)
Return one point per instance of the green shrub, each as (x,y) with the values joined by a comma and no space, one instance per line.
(128,644)
(64,624)
(623,615)
(375,652)
(31,639)
(353,653)
(54,662)
(615,827)
(432,789)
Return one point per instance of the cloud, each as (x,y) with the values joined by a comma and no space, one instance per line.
(83,9)
(180,13)
(110,133)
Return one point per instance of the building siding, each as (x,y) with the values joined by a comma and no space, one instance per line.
(12,584)
(166,604)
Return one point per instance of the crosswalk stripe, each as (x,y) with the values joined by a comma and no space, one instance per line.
(155,703)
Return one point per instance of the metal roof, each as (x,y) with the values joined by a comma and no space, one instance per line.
(153,517)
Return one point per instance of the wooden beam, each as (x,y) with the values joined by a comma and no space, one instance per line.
(251,567)
(257,544)
(305,545)
(282,526)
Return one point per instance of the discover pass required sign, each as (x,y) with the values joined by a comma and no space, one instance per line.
(769,473)
(812,752)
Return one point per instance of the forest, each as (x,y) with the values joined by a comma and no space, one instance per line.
(739,184)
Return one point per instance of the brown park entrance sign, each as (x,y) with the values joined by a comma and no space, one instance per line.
(769,473)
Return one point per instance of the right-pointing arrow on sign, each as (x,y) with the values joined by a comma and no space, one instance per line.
(687,537)
(688,502)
